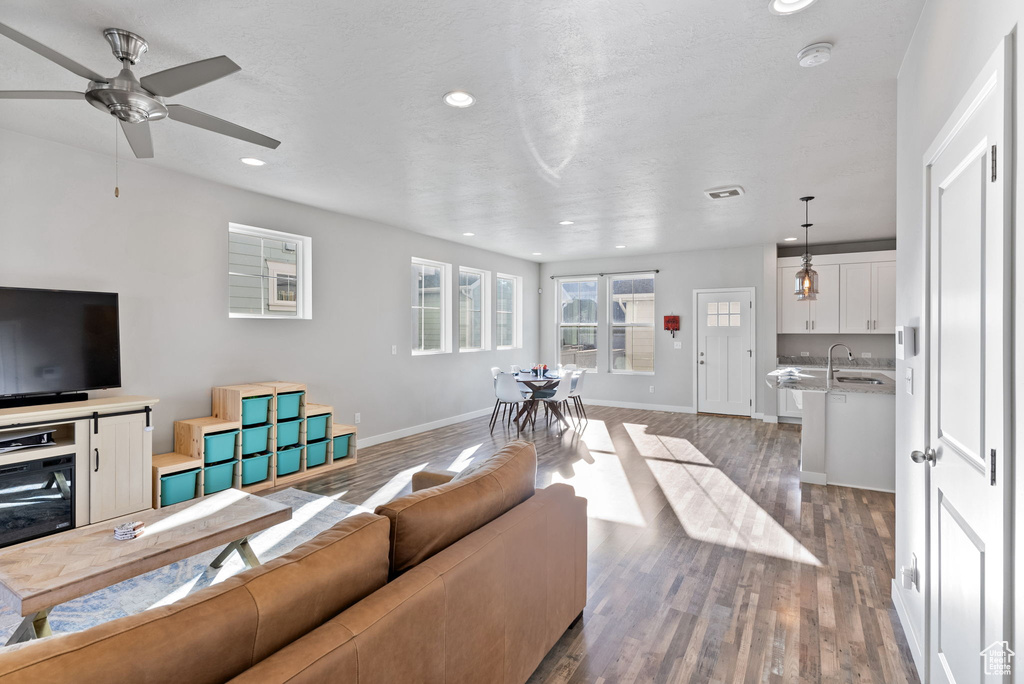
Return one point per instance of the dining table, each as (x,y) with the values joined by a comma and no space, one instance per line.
(546,381)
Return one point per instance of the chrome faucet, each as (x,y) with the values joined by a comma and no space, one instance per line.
(830,369)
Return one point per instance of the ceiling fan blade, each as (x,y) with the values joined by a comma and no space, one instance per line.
(41,95)
(194,117)
(139,138)
(50,54)
(171,82)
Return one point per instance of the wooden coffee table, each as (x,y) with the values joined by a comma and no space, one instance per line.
(37,575)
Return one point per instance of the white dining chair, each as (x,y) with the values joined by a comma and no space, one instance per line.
(508,396)
(515,369)
(569,367)
(494,371)
(575,397)
(557,399)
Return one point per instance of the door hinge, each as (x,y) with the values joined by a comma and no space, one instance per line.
(993,480)
(751,402)
(993,163)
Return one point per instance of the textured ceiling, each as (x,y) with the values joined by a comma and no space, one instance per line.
(615,114)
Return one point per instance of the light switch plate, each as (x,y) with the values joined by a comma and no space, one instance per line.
(677,344)
(909,375)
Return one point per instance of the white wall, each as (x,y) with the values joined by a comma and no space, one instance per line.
(679,274)
(953,40)
(163,246)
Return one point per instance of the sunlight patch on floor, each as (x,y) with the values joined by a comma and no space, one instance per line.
(463,460)
(711,507)
(392,488)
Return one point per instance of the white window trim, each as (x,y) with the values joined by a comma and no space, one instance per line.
(612,325)
(558,318)
(304,261)
(446,308)
(277,268)
(485,310)
(517,312)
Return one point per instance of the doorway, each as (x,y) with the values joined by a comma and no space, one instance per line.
(724,348)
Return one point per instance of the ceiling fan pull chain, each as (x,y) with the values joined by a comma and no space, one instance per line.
(117,190)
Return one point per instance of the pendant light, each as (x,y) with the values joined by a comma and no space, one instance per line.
(805,285)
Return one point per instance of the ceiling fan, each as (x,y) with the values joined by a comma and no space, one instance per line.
(136,102)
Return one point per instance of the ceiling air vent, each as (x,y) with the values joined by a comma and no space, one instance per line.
(725,192)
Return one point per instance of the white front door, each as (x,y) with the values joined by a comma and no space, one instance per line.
(725,352)
(969,383)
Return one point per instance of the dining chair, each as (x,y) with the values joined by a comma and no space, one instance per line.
(508,396)
(556,399)
(515,369)
(569,367)
(575,397)
(494,371)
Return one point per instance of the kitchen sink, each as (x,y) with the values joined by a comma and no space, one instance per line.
(859,380)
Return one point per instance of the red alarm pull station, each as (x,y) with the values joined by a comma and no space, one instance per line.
(672,324)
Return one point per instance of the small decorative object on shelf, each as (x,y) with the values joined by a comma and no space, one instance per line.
(129,530)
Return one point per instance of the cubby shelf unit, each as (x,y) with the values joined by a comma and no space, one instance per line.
(230,416)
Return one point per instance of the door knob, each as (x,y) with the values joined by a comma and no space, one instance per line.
(926,456)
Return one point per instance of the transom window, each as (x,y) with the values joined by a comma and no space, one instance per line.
(269,273)
(577,323)
(631,319)
(474,309)
(431,318)
(509,312)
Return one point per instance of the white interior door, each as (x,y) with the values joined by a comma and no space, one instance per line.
(969,382)
(725,352)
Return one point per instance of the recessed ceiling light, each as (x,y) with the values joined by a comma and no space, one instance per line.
(620,246)
(566,223)
(469,234)
(459,98)
(536,254)
(815,55)
(785,7)
(252,161)
(791,239)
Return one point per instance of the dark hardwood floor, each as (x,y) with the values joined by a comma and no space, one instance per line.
(708,560)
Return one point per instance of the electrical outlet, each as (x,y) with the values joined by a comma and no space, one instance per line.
(837,398)
(357,419)
(865,355)
(652,389)
(805,353)
(678,344)
(394,349)
(909,379)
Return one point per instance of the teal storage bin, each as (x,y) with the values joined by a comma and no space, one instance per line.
(341,446)
(217,478)
(219,447)
(288,433)
(316,454)
(178,487)
(316,428)
(255,440)
(255,469)
(255,410)
(288,405)
(288,460)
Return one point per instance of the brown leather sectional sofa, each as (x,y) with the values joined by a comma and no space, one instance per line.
(470,579)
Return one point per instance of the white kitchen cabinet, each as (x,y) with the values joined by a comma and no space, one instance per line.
(120,467)
(824,313)
(868,298)
(794,316)
(791,403)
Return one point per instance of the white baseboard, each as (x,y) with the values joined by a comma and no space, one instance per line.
(872,489)
(811,477)
(767,419)
(904,616)
(416,429)
(643,407)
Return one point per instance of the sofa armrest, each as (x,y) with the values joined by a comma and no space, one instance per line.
(426,479)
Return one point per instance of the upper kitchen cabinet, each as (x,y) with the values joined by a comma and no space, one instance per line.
(856,294)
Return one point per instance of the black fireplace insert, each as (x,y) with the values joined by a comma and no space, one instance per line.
(37,498)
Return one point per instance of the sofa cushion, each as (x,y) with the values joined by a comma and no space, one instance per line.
(427,521)
(222,630)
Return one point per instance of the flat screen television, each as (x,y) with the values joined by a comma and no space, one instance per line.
(58,341)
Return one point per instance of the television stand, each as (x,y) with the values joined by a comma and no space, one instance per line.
(17,401)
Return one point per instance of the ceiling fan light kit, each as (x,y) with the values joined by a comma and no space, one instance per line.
(133,101)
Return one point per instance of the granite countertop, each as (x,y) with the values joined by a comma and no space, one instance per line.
(815,381)
(822,362)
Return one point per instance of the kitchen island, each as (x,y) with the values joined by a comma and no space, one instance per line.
(849,427)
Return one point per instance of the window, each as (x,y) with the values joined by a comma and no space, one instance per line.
(269,273)
(474,309)
(724,314)
(510,322)
(431,294)
(632,323)
(577,323)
